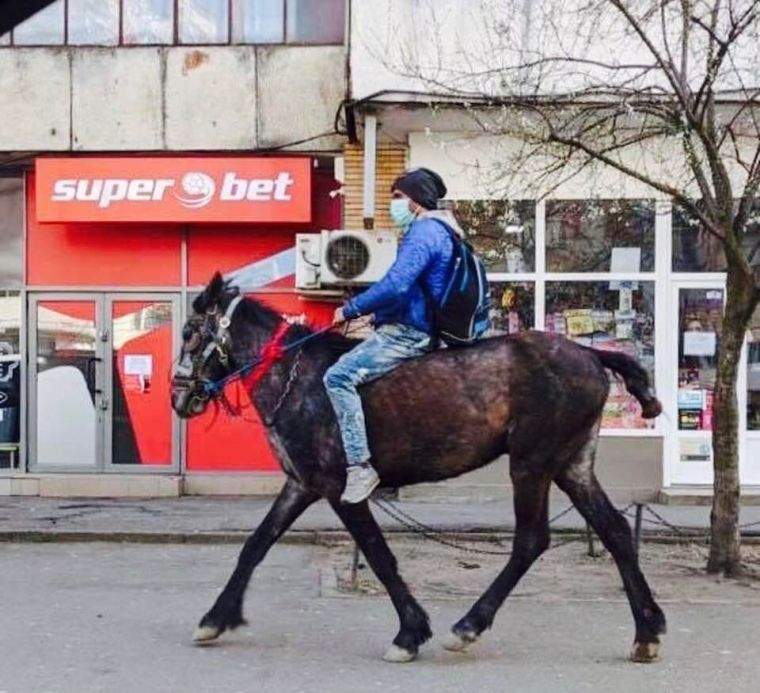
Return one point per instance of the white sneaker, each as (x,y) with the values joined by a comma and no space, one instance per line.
(361,480)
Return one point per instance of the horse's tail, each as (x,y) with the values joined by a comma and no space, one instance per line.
(635,377)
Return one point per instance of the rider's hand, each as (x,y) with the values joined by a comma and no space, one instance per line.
(338,317)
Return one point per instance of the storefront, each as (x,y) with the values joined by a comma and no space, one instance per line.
(114,251)
(609,267)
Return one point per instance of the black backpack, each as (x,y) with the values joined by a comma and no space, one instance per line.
(461,316)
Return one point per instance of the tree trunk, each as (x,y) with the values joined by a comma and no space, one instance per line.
(725,547)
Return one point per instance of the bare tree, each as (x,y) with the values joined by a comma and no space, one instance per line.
(662,91)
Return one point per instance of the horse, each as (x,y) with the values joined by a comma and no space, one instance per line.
(534,396)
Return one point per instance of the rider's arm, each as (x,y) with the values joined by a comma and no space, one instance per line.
(414,255)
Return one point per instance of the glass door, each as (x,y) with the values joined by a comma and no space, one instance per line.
(698,315)
(66,374)
(141,430)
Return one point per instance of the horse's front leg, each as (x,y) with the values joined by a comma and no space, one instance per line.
(227,612)
(414,624)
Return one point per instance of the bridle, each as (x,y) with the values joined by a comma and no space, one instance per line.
(204,389)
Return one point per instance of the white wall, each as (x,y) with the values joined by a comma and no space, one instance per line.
(172,98)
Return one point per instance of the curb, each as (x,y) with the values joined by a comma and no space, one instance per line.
(317,536)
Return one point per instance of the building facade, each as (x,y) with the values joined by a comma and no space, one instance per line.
(143,146)
(104,100)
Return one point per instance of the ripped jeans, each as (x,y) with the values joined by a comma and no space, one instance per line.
(388,347)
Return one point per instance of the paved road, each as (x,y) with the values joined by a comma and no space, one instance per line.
(111,618)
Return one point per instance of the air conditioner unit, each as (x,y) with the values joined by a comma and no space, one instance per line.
(343,258)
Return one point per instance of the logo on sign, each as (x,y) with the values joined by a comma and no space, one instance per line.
(198,189)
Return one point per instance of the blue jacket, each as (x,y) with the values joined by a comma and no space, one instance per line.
(424,258)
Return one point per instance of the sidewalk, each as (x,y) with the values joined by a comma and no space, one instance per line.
(193,519)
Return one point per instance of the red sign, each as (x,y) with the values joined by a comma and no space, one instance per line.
(161,189)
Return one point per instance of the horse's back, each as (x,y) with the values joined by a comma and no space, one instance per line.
(455,410)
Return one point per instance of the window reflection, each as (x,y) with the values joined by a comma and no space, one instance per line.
(696,250)
(600,235)
(501,231)
(203,21)
(148,21)
(254,21)
(10,374)
(316,21)
(45,28)
(94,22)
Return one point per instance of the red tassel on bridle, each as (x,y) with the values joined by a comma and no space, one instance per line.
(270,354)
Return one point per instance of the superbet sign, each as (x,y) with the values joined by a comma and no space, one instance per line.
(159,189)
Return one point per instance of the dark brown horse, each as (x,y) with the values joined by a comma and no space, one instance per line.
(535,396)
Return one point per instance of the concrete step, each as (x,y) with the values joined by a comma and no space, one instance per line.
(703,495)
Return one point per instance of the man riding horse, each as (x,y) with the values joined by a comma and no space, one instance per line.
(403,326)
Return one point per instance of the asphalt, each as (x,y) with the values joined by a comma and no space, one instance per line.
(118,618)
(209,520)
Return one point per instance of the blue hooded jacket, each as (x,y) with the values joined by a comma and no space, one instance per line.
(424,258)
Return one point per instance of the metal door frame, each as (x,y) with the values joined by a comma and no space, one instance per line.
(108,465)
(103,301)
(34,299)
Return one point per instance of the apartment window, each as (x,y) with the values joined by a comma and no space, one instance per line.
(93,22)
(188,22)
(258,21)
(148,21)
(315,21)
(45,28)
(203,21)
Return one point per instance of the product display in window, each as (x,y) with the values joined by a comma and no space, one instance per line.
(753,373)
(700,312)
(697,250)
(501,231)
(600,235)
(614,316)
(512,307)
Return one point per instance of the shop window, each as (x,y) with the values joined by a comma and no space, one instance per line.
(512,307)
(753,374)
(11,231)
(501,231)
(45,28)
(10,376)
(203,21)
(700,315)
(93,22)
(254,21)
(696,250)
(148,21)
(613,316)
(600,235)
(315,21)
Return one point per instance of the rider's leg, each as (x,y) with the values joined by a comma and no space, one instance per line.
(376,356)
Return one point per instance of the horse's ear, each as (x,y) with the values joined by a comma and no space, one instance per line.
(216,287)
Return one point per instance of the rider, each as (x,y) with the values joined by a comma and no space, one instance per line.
(401,315)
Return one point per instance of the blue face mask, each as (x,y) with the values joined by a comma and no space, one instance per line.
(400,213)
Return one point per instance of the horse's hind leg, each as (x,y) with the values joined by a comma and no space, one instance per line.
(227,612)
(579,482)
(414,624)
(531,492)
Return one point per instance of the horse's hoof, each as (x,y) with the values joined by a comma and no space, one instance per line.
(645,652)
(206,634)
(398,655)
(459,642)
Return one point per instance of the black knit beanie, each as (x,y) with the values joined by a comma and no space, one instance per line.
(422,185)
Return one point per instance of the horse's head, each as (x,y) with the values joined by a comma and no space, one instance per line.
(207,351)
